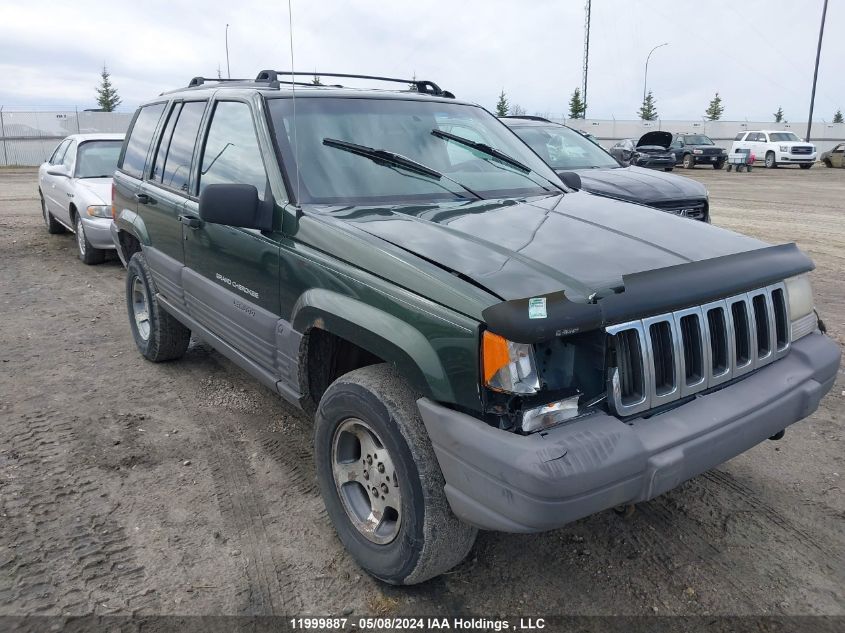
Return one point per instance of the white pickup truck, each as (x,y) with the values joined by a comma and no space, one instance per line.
(776,148)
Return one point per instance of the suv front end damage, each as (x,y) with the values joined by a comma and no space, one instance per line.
(619,410)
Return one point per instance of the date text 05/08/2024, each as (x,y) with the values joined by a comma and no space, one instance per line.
(422,623)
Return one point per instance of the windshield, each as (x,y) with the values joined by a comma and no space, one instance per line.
(783,136)
(97,159)
(332,174)
(563,148)
(697,139)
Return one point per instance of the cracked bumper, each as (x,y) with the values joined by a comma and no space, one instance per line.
(497,480)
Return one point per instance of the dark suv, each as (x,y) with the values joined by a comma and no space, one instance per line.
(481,347)
(697,149)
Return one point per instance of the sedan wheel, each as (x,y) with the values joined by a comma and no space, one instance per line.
(87,253)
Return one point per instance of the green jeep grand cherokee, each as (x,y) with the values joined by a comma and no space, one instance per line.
(481,346)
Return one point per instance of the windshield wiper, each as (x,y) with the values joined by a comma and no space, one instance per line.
(392,159)
(484,148)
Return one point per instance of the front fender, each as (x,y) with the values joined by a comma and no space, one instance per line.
(422,347)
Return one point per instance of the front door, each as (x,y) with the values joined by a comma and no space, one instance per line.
(231,275)
(63,187)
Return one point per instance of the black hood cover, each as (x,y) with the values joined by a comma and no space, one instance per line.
(656,138)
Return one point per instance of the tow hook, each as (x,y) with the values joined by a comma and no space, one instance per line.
(778,435)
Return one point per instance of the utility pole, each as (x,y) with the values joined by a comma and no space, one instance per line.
(816,72)
(586,56)
(228,71)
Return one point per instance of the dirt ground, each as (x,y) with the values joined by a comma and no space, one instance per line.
(187,488)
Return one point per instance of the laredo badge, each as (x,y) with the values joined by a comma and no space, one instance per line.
(537,308)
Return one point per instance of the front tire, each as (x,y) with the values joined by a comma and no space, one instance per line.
(827,163)
(688,161)
(53,227)
(718,164)
(770,160)
(87,253)
(157,333)
(381,482)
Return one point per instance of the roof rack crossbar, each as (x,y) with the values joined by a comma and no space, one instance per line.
(199,81)
(422,85)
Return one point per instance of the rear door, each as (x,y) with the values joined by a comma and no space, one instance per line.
(163,194)
(133,158)
(231,275)
(837,156)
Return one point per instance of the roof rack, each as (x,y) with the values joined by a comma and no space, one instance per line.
(527,117)
(423,86)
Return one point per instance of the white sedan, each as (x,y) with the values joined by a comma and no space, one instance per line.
(75,189)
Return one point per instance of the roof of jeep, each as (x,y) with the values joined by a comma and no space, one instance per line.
(247,87)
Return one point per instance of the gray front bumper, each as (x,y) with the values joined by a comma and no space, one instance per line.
(497,480)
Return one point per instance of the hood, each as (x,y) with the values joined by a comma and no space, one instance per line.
(95,190)
(640,185)
(655,139)
(578,242)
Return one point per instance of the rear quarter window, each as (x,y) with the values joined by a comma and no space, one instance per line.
(139,139)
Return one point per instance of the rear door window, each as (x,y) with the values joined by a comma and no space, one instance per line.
(135,154)
(176,166)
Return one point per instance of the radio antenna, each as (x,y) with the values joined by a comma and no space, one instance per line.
(293,98)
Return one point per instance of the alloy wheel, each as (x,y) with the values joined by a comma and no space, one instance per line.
(140,308)
(366,481)
(80,237)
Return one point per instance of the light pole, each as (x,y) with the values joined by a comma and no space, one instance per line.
(228,71)
(816,72)
(645,78)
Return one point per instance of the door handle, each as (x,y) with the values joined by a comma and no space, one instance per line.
(142,198)
(191,221)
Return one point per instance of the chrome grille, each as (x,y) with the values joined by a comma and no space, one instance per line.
(663,358)
(695,208)
(801,149)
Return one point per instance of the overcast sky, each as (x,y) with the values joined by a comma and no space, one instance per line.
(758,54)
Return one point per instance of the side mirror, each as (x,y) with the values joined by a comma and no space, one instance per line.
(570,179)
(58,170)
(235,205)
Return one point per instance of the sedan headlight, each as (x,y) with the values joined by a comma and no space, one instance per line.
(802,315)
(508,366)
(99,211)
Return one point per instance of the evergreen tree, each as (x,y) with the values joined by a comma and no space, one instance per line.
(715,109)
(517,110)
(317,81)
(648,110)
(502,106)
(107,97)
(837,118)
(778,115)
(577,107)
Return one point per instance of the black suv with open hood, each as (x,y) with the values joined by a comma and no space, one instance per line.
(479,345)
(567,150)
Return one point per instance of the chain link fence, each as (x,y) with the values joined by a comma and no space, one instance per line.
(29,137)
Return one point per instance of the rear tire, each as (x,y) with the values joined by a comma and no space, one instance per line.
(806,166)
(688,161)
(770,160)
(87,253)
(391,512)
(158,334)
(53,227)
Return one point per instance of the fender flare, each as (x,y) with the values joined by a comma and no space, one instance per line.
(378,332)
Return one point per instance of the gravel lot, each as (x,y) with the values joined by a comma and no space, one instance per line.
(187,488)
